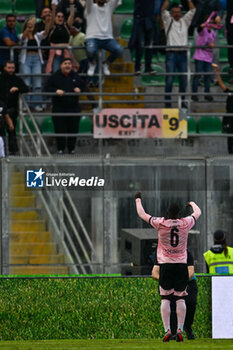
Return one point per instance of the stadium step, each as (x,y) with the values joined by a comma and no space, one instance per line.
(22,201)
(31,245)
(37,259)
(30,237)
(28,249)
(39,270)
(27,226)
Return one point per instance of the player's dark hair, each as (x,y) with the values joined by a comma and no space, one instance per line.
(220,238)
(173,211)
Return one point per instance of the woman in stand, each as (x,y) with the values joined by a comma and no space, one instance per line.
(31,59)
(59,37)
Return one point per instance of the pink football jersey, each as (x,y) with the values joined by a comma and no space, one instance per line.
(173,237)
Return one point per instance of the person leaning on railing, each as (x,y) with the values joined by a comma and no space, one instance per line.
(10,87)
(219,259)
(62,83)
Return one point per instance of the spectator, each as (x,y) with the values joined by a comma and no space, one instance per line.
(176,29)
(229,28)
(4,119)
(62,82)
(203,11)
(99,33)
(64,7)
(8,38)
(40,4)
(46,15)
(77,38)
(10,87)
(31,59)
(203,59)
(142,33)
(219,259)
(227,122)
(58,37)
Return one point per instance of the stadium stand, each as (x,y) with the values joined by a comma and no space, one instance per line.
(30,242)
(6,7)
(47,126)
(29,124)
(223,52)
(85,125)
(126,28)
(210,124)
(192,125)
(127,7)
(24,7)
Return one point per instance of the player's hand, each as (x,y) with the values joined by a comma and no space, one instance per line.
(138,195)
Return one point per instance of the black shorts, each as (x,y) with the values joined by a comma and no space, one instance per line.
(173,277)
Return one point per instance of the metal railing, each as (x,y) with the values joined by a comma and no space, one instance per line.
(83,259)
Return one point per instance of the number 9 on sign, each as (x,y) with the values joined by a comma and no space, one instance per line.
(172,126)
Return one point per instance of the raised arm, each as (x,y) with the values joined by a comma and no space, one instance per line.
(140,210)
(220,82)
(196,210)
(191,5)
(165,5)
(71,16)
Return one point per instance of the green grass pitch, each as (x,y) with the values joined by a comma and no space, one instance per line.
(119,344)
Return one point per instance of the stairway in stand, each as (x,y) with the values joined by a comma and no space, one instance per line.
(32,250)
(119,84)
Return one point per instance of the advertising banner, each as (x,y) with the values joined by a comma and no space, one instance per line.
(139,123)
(222,307)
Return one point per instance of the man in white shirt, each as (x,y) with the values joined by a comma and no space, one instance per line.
(176,29)
(99,33)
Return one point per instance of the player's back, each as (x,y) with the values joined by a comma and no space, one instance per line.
(173,237)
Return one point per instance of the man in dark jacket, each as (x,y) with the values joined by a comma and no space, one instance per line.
(4,120)
(10,88)
(142,33)
(62,82)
